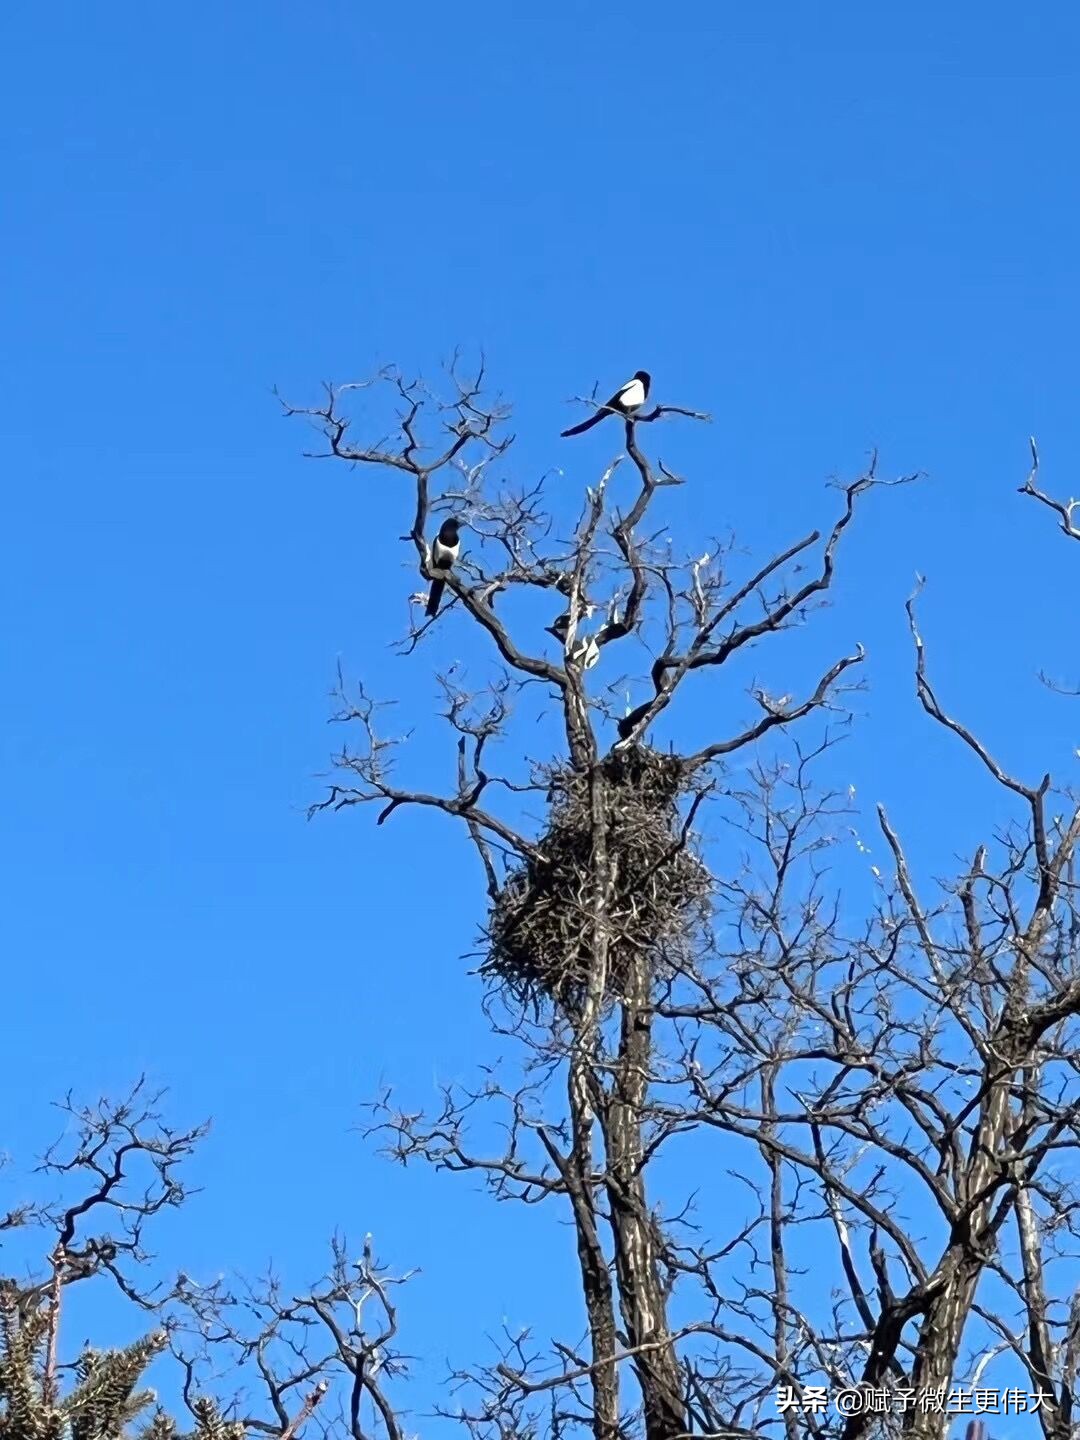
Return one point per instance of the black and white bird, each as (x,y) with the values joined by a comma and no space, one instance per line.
(560,627)
(444,552)
(626,401)
(584,652)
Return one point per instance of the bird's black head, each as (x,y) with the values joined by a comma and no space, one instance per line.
(449,529)
(644,377)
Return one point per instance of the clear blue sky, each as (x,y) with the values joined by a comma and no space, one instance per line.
(836,227)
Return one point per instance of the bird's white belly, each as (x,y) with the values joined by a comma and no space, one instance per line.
(632,395)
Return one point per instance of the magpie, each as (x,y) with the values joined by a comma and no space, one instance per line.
(585,652)
(560,627)
(626,401)
(444,551)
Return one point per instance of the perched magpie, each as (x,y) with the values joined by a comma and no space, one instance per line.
(585,652)
(627,400)
(560,627)
(444,551)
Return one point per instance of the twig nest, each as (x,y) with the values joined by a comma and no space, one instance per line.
(542,927)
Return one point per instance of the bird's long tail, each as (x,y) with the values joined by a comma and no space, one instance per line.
(437,587)
(586,424)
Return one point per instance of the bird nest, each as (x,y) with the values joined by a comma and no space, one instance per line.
(540,930)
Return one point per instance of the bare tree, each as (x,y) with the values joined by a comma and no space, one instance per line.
(240,1358)
(918,1066)
(886,1101)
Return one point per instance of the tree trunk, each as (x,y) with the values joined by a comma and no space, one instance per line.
(595,1277)
(642,1300)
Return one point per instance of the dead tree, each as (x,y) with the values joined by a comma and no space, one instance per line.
(924,1058)
(593,915)
(886,1103)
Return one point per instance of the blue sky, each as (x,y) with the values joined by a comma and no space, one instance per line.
(836,228)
